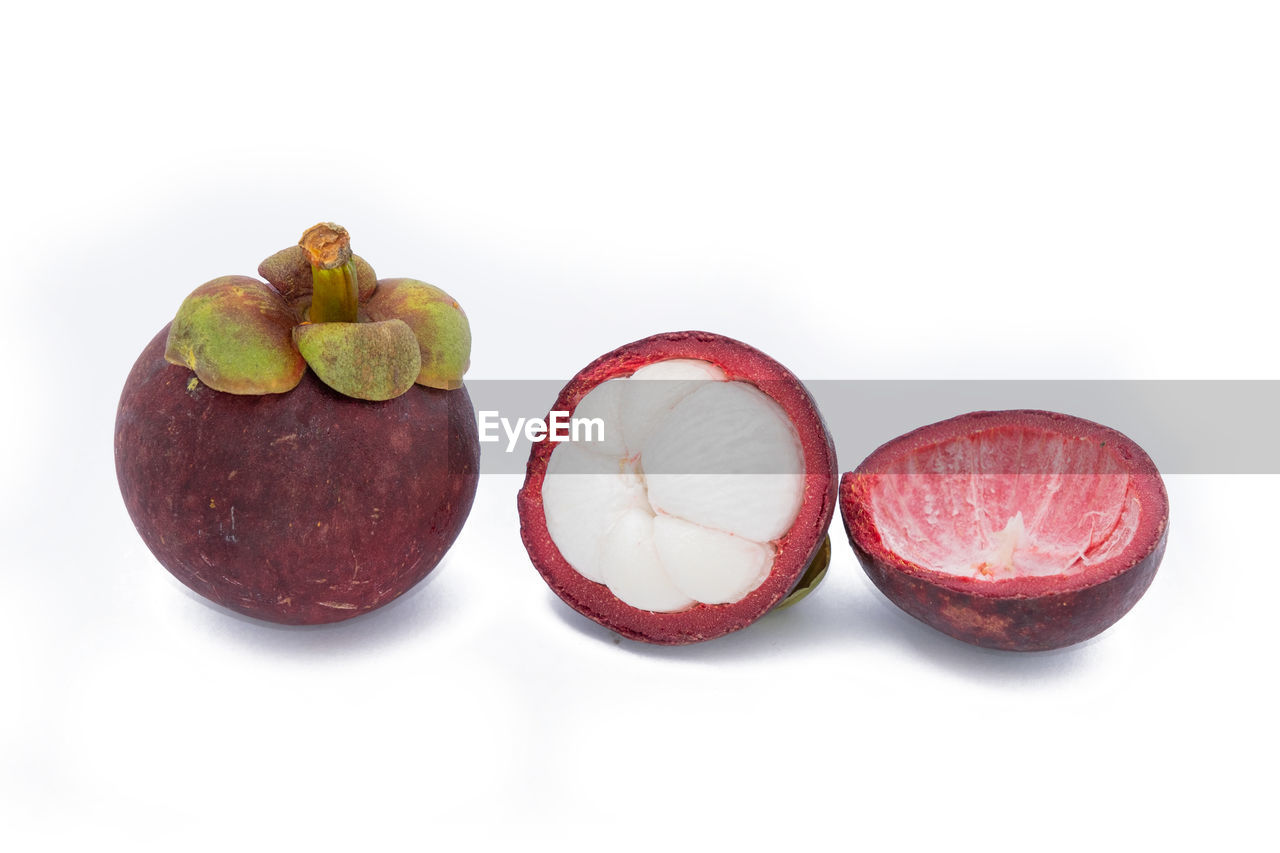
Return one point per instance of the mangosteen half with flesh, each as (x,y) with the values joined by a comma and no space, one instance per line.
(701,505)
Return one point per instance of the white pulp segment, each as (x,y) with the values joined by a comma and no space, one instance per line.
(644,406)
(727,458)
(632,569)
(708,565)
(605,402)
(586,503)
(727,481)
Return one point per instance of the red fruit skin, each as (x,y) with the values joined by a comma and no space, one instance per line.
(300,508)
(795,550)
(1014,614)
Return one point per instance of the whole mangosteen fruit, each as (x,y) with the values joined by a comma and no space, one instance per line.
(302,450)
(701,503)
(1022,530)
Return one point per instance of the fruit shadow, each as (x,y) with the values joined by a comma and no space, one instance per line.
(405,618)
(796,629)
(863,619)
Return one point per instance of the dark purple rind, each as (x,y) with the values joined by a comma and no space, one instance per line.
(1021,613)
(795,550)
(298,508)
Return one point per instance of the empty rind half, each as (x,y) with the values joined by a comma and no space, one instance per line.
(1017,530)
(702,503)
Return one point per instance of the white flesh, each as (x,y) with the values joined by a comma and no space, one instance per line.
(683,501)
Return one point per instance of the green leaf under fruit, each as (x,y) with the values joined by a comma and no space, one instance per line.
(235,333)
(371,361)
(813,575)
(438,323)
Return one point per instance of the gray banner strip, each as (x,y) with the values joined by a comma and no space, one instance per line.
(1187,426)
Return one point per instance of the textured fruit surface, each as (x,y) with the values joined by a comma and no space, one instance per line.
(1021,530)
(300,508)
(664,539)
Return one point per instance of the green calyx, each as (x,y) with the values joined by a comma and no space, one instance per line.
(442,331)
(370,361)
(323,307)
(236,334)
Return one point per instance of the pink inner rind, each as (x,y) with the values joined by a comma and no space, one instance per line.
(1145,484)
(948,505)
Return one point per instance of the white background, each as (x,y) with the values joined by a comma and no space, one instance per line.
(911,189)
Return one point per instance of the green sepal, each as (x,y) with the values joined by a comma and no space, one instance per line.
(235,332)
(438,323)
(370,361)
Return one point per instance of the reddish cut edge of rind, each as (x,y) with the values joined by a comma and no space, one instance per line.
(796,549)
(1019,613)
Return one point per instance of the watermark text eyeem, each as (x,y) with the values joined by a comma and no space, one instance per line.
(557,426)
